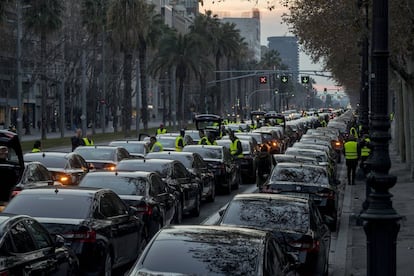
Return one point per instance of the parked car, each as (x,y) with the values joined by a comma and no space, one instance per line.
(146,191)
(35,174)
(306,179)
(67,168)
(27,248)
(134,147)
(197,166)
(99,227)
(176,176)
(12,167)
(293,221)
(213,250)
(226,170)
(103,157)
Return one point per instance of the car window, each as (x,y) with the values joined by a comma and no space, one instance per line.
(21,239)
(48,161)
(155,188)
(180,171)
(312,175)
(40,235)
(109,207)
(272,265)
(119,206)
(74,163)
(121,185)
(122,154)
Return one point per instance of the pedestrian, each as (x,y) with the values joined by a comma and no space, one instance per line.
(353,132)
(263,165)
(352,153)
(365,146)
(87,141)
(203,138)
(179,141)
(161,130)
(37,146)
(77,139)
(211,139)
(236,149)
(154,145)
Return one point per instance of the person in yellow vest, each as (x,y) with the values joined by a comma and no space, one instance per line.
(203,138)
(236,149)
(365,146)
(211,139)
(87,141)
(161,130)
(353,132)
(154,145)
(352,153)
(179,141)
(37,146)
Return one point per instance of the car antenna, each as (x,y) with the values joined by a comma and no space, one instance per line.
(43,154)
(56,190)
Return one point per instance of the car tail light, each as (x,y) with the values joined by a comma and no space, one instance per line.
(268,189)
(65,179)
(144,209)
(110,167)
(4,273)
(15,192)
(81,236)
(309,245)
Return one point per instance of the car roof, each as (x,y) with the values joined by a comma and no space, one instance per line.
(265,196)
(50,153)
(204,146)
(97,147)
(127,142)
(148,160)
(172,153)
(299,165)
(66,190)
(121,173)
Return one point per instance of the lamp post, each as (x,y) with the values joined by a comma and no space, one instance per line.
(364,89)
(254,92)
(381,221)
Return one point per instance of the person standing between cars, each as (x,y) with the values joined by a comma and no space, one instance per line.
(365,146)
(87,141)
(37,146)
(353,132)
(203,138)
(236,149)
(211,139)
(352,153)
(77,139)
(161,130)
(179,141)
(154,145)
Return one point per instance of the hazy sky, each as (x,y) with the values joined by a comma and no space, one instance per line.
(270,24)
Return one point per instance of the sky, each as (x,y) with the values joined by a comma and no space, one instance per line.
(271,25)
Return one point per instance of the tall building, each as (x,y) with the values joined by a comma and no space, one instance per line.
(288,48)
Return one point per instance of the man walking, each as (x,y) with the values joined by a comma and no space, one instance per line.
(352,153)
(179,141)
(77,139)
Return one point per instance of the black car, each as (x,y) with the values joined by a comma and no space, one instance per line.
(197,166)
(225,168)
(103,158)
(67,168)
(35,174)
(146,191)
(213,250)
(294,221)
(176,176)
(27,248)
(312,180)
(12,167)
(99,227)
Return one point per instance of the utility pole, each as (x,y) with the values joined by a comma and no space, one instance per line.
(83,116)
(19,69)
(103,99)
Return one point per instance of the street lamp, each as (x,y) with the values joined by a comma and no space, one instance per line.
(254,92)
(381,221)
(364,89)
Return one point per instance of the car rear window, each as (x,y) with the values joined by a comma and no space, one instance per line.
(311,175)
(119,184)
(267,214)
(162,169)
(206,153)
(48,161)
(92,153)
(130,147)
(53,205)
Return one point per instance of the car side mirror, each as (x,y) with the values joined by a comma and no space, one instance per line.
(132,210)
(59,241)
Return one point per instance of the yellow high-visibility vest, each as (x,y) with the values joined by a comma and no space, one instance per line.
(365,151)
(177,140)
(233,148)
(87,142)
(351,150)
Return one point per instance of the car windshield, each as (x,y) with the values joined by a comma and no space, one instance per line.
(206,153)
(318,155)
(167,142)
(92,153)
(131,147)
(163,169)
(310,175)
(51,205)
(267,214)
(47,161)
(207,255)
(121,185)
(185,159)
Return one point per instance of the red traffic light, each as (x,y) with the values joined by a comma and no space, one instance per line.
(263,79)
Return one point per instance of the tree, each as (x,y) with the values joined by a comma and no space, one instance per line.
(44,18)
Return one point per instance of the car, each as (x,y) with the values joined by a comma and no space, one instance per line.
(226,170)
(134,147)
(27,248)
(103,157)
(281,158)
(67,168)
(146,191)
(12,167)
(100,228)
(197,166)
(312,180)
(248,162)
(175,174)
(35,174)
(213,250)
(293,221)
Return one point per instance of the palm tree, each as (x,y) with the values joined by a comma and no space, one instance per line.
(44,18)
(182,53)
(124,20)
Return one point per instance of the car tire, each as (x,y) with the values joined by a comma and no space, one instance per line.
(107,269)
(195,212)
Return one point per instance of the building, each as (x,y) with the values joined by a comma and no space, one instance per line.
(288,48)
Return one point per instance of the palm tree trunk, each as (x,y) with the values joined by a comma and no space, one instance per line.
(127,105)
(43,84)
(143,69)
(218,104)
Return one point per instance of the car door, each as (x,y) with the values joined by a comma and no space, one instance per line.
(163,196)
(323,234)
(23,254)
(190,187)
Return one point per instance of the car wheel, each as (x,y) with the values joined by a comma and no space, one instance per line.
(107,270)
(179,214)
(195,212)
(212,197)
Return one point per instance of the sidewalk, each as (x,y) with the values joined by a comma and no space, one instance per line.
(403,203)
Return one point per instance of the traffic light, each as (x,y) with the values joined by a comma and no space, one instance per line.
(304,79)
(284,79)
(262,79)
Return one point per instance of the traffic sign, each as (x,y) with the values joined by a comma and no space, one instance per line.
(304,79)
(284,79)
(263,79)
